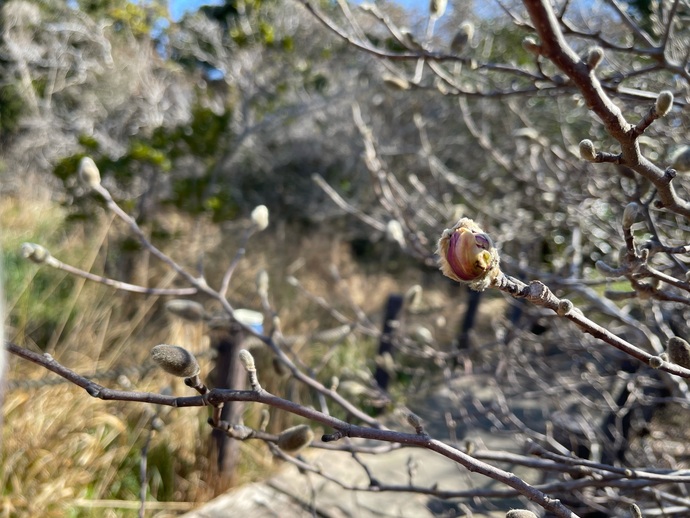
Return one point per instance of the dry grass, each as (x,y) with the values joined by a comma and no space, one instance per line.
(66,454)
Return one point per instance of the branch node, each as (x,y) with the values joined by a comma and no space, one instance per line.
(669,174)
(330,437)
(93,390)
(594,57)
(564,307)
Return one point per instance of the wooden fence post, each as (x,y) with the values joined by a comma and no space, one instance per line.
(228,373)
(391,324)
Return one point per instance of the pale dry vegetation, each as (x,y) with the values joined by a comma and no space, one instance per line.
(64,454)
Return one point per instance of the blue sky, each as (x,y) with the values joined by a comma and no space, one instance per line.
(179,7)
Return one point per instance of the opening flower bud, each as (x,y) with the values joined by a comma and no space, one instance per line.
(468,255)
(175,360)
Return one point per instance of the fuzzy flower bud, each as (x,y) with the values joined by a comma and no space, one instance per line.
(88,172)
(414,421)
(438,7)
(423,335)
(679,352)
(587,150)
(520,513)
(594,56)
(34,253)
(462,38)
(186,309)
(467,254)
(394,232)
(260,217)
(247,360)
(530,44)
(262,283)
(629,214)
(664,103)
(396,83)
(296,438)
(413,298)
(175,360)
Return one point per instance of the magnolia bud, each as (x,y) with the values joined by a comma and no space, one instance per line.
(530,44)
(89,173)
(262,283)
(413,298)
(664,103)
(423,335)
(587,150)
(594,57)
(438,7)
(186,309)
(462,38)
(395,82)
(520,513)
(629,214)
(414,420)
(260,217)
(679,352)
(394,232)
(175,360)
(467,254)
(247,360)
(34,253)
(295,438)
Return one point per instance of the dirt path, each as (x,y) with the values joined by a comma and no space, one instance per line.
(290,493)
